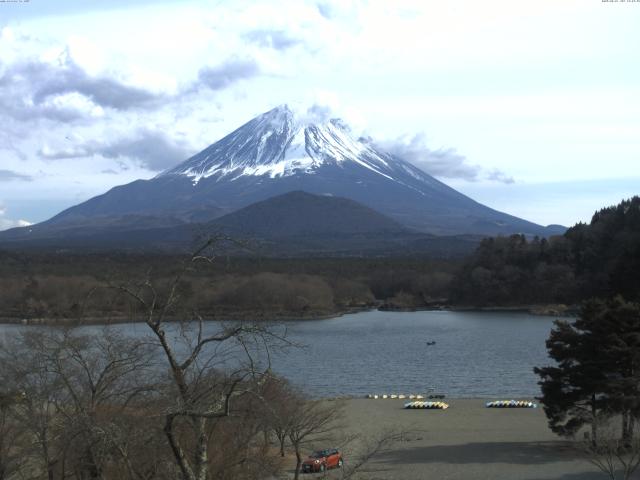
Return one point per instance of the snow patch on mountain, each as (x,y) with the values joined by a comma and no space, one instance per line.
(279,144)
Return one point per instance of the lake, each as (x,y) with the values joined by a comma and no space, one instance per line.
(476,354)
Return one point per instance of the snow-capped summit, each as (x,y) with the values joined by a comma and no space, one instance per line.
(279,152)
(279,143)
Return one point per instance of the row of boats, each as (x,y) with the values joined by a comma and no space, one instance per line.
(420,401)
(395,396)
(427,405)
(511,404)
(494,404)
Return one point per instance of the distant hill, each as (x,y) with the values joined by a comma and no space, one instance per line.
(293,224)
(299,223)
(299,213)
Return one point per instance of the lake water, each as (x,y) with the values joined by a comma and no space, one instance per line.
(476,354)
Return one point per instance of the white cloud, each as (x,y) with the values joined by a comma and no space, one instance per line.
(496,175)
(320,105)
(6,223)
(445,163)
(62,91)
(72,105)
(221,76)
(153,149)
(540,89)
(272,38)
(10,175)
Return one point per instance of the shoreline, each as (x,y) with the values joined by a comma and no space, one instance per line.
(227,316)
(545,310)
(562,311)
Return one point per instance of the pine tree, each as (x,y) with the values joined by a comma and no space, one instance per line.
(572,392)
(598,369)
(616,324)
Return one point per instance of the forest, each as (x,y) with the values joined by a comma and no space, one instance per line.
(590,260)
(599,259)
(61,286)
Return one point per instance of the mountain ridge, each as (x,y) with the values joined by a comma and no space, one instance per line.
(276,153)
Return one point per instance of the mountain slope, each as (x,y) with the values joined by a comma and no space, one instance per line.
(275,153)
(293,224)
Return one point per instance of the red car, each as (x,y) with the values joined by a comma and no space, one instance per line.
(322,460)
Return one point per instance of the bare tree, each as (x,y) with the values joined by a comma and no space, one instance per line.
(24,369)
(76,389)
(241,451)
(613,454)
(312,421)
(102,375)
(11,459)
(279,402)
(198,394)
(305,423)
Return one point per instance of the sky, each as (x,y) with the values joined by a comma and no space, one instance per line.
(530,107)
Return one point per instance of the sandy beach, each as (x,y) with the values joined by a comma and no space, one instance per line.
(465,442)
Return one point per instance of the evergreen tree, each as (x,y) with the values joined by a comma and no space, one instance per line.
(598,369)
(572,391)
(599,259)
(616,324)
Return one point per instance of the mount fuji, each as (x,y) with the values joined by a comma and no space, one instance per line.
(275,153)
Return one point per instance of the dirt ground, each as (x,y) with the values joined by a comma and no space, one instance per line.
(465,442)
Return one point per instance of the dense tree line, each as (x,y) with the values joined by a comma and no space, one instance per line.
(55,286)
(599,259)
